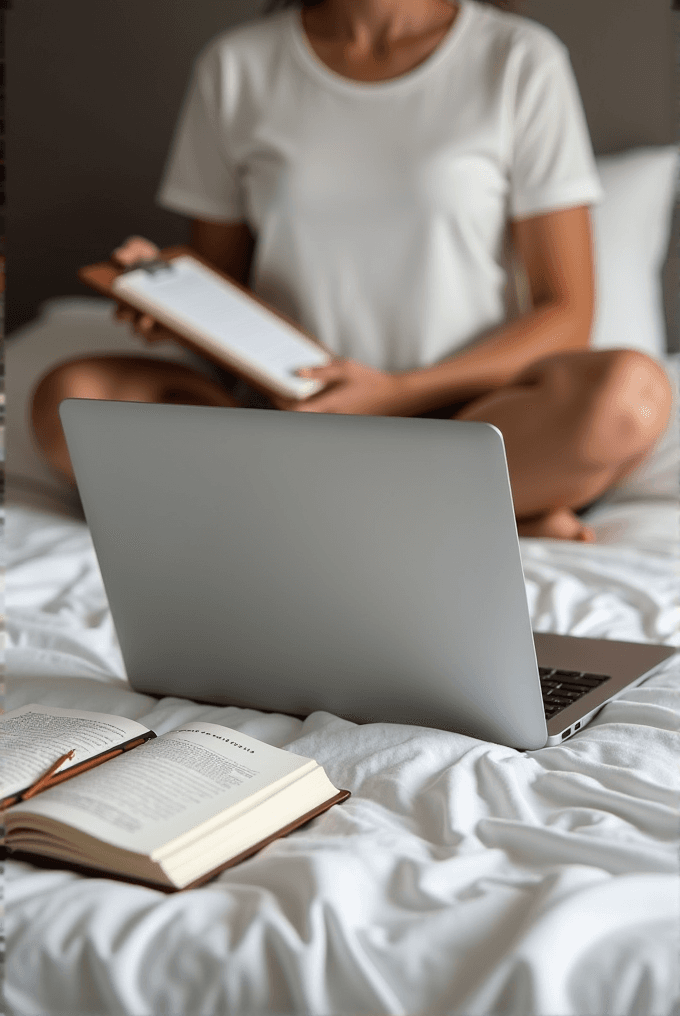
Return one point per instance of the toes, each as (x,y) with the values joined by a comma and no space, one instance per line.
(561,524)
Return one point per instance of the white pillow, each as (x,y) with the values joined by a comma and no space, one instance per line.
(632,232)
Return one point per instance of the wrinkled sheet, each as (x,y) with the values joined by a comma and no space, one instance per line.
(461,877)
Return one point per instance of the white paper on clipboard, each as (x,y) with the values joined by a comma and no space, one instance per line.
(190,298)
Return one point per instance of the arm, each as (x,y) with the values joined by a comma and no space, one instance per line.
(556,250)
(228,245)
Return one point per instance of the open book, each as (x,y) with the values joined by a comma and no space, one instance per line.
(214,316)
(172,812)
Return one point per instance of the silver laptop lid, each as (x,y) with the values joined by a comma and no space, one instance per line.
(368,566)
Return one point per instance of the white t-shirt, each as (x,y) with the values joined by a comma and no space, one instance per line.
(380,208)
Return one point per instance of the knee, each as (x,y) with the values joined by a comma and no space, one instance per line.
(640,390)
(75,379)
(631,402)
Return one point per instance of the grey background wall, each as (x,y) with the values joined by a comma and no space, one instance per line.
(93,90)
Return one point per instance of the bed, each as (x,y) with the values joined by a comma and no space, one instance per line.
(461,877)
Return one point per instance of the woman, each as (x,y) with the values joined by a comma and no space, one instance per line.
(358,163)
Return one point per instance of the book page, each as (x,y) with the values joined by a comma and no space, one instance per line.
(167,786)
(223,319)
(34,737)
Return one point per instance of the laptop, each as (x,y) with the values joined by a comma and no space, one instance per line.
(365,566)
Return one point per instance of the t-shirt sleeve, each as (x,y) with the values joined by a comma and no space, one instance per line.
(552,163)
(200,179)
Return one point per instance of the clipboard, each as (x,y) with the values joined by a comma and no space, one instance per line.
(212,315)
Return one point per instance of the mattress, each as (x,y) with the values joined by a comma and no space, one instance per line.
(461,877)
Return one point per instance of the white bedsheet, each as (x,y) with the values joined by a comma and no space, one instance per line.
(461,877)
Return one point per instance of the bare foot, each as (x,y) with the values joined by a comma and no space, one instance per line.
(561,524)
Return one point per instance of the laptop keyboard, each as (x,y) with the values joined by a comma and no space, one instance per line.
(561,688)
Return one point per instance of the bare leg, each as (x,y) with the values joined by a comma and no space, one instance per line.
(574,424)
(120,379)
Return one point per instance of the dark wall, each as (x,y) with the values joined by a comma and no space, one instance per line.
(623,55)
(94,87)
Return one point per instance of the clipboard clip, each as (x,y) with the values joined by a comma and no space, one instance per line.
(151,265)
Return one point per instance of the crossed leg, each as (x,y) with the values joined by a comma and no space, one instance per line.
(574,424)
(118,379)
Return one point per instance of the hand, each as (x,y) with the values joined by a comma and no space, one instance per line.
(352,388)
(136,248)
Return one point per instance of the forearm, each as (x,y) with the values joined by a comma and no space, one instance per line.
(229,246)
(497,358)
